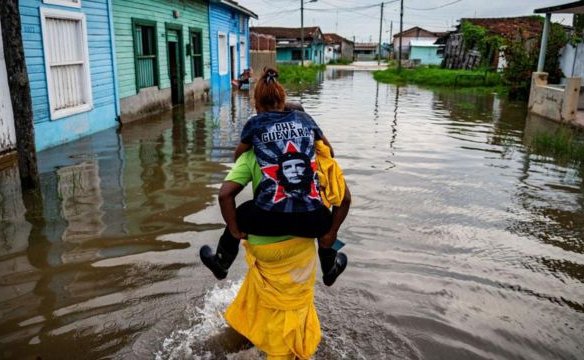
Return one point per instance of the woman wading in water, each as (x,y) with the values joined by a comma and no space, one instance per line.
(274,308)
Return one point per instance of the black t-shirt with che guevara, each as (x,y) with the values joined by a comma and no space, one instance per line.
(283,143)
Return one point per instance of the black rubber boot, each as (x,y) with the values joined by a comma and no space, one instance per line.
(219,263)
(332,263)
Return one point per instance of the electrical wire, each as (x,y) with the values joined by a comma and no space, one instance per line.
(436,7)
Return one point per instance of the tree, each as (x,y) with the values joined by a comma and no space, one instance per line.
(19,93)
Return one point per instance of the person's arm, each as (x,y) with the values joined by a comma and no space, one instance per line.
(240,149)
(339,215)
(227,194)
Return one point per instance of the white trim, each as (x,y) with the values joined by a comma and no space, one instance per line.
(88,96)
(223,65)
(68,3)
(242,53)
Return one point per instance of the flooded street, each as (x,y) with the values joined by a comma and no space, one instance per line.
(461,244)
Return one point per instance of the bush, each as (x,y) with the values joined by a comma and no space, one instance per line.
(431,76)
(342,61)
(295,74)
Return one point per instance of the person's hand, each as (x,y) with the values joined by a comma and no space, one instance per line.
(237,234)
(327,240)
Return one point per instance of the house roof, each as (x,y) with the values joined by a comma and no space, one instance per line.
(423,43)
(287,33)
(236,6)
(332,38)
(526,27)
(419,32)
(576,7)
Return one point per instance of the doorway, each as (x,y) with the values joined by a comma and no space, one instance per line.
(175,65)
(233,56)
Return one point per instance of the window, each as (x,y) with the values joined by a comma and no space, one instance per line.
(66,62)
(296,55)
(71,3)
(242,23)
(145,53)
(222,53)
(197,53)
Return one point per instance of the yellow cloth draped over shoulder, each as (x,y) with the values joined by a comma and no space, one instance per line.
(274,308)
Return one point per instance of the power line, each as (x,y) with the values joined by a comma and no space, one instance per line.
(436,7)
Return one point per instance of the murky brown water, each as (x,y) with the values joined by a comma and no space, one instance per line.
(462,245)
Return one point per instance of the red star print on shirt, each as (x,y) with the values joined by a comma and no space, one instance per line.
(271,171)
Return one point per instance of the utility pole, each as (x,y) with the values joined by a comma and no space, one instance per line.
(302,32)
(401,30)
(19,93)
(380,32)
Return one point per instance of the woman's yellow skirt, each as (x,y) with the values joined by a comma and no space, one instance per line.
(274,308)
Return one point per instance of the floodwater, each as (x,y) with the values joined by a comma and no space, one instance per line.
(462,244)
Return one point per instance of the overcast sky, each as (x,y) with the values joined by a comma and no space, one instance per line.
(350,18)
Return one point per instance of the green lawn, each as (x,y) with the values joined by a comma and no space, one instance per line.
(437,77)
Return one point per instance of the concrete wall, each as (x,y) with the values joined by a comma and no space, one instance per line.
(572,60)
(190,14)
(7,132)
(51,132)
(554,102)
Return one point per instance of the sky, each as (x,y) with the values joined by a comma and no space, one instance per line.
(354,18)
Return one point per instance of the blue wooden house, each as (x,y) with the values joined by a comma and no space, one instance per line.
(69,51)
(289,44)
(229,32)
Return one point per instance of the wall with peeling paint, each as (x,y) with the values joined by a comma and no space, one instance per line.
(7,133)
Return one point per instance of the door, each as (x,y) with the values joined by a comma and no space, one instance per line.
(175,66)
(233,58)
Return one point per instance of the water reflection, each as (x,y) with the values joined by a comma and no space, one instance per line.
(108,196)
(463,243)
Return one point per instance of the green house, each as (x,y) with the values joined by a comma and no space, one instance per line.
(289,43)
(162,54)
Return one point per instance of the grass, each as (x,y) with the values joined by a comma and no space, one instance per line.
(437,77)
(296,74)
(564,146)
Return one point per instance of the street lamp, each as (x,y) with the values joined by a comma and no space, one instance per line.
(302,29)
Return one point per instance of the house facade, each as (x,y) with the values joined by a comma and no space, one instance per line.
(162,53)
(426,52)
(337,47)
(229,33)
(365,51)
(415,33)
(68,46)
(289,46)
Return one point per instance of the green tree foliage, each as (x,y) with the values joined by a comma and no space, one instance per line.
(522,57)
(479,38)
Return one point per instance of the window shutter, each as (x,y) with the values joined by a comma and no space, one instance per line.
(66,62)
